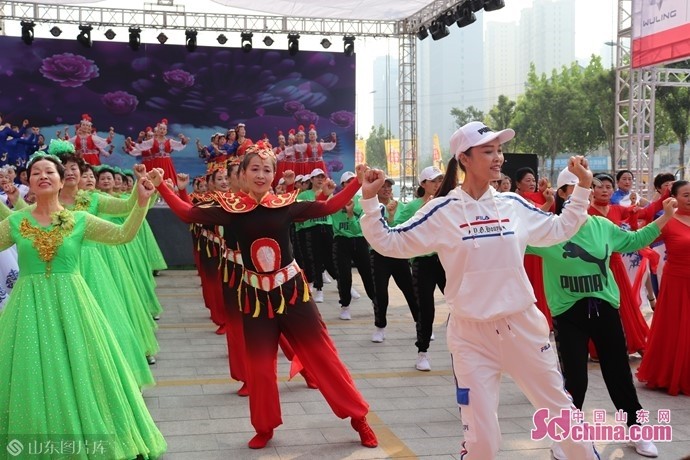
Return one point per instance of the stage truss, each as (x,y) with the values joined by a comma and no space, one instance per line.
(635,104)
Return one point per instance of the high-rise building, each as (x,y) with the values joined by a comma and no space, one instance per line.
(385,94)
(501,62)
(545,36)
(450,74)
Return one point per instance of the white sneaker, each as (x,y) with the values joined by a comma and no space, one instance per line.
(433,337)
(345,313)
(379,336)
(423,363)
(318,296)
(557,451)
(354,294)
(646,448)
(326,277)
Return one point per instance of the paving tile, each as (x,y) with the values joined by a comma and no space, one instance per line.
(414,413)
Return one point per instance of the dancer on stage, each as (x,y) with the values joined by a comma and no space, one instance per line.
(156,151)
(274,293)
(88,144)
(494,326)
(64,375)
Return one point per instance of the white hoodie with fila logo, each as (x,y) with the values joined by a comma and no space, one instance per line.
(480,243)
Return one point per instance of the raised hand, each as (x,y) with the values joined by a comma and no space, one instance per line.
(139,170)
(373,181)
(169,183)
(328,187)
(543,184)
(182,181)
(670,204)
(289,176)
(549,195)
(579,166)
(144,191)
(360,171)
(155,176)
(12,192)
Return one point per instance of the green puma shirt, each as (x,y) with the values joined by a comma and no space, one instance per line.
(579,267)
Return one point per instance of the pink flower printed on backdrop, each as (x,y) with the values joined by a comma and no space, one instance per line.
(69,70)
(343,118)
(306,117)
(120,102)
(178,78)
(293,106)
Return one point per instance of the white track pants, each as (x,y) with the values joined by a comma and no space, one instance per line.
(518,345)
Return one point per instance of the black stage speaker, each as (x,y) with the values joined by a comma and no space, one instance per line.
(515,161)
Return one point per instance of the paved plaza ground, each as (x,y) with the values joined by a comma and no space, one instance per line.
(413,413)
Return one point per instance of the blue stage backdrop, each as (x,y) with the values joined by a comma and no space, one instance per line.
(53,82)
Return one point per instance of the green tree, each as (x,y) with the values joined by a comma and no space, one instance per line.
(462,117)
(555,116)
(376,147)
(501,116)
(675,102)
(599,86)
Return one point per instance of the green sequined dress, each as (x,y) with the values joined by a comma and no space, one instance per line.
(64,377)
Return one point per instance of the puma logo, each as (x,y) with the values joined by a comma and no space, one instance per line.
(574,251)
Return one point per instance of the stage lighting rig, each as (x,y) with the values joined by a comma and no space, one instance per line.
(349,45)
(222,39)
(109,34)
(467,17)
(190,39)
(84,37)
(55,31)
(438,30)
(162,38)
(134,38)
(27,32)
(493,5)
(246,42)
(268,41)
(422,33)
(293,44)
(326,43)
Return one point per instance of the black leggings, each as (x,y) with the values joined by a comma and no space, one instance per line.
(317,251)
(346,251)
(383,268)
(427,273)
(592,318)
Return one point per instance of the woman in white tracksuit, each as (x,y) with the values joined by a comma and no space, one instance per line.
(494,326)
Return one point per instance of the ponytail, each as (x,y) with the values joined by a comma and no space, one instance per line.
(450,181)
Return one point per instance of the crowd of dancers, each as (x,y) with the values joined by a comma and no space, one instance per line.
(270,226)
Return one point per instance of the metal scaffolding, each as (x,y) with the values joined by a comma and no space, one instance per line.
(408,113)
(172,19)
(635,103)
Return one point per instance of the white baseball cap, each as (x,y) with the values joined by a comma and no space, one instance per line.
(317,172)
(429,173)
(390,180)
(347,175)
(281,181)
(565,177)
(476,133)
(299,178)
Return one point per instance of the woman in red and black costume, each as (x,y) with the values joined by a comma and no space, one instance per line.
(273,285)
(87,144)
(242,142)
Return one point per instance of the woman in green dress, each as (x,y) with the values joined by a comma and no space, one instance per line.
(66,385)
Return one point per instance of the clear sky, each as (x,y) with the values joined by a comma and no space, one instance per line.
(595,23)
